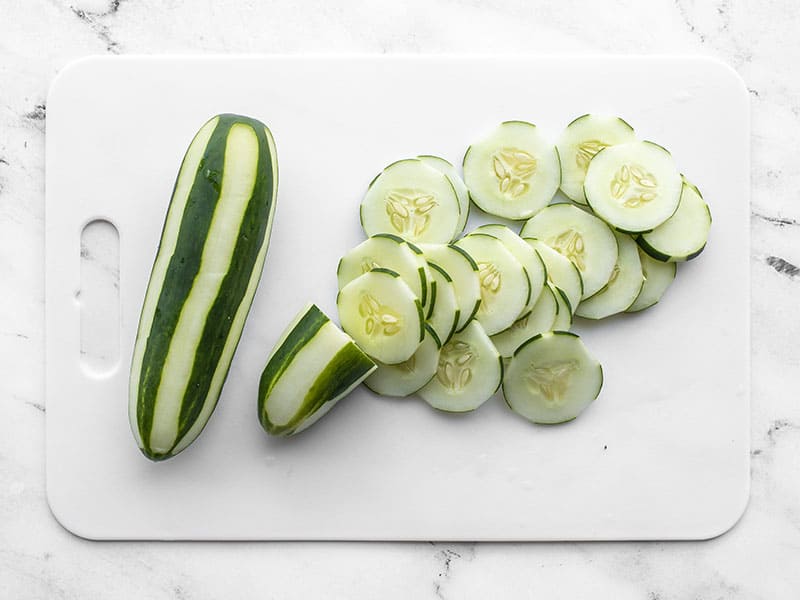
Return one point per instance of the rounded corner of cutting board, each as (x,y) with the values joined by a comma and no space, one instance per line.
(65,514)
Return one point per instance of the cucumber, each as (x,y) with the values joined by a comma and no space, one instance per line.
(463,271)
(311,368)
(580,141)
(563,320)
(469,372)
(552,378)
(444,316)
(623,286)
(412,200)
(383,315)
(657,278)
(209,262)
(459,186)
(561,272)
(389,251)
(407,377)
(581,237)
(683,236)
(539,320)
(634,187)
(504,284)
(525,254)
(513,172)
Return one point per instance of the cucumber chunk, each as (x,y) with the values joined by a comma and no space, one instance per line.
(459,186)
(383,315)
(580,141)
(513,172)
(561,272)
(444,317)
(634,187)
(657,278)
(539,320)
(412,200)
(469,372)
(581,237)
(552,378)
(563,320)
(525,254)
(504,285)
(463,271)
(313,366)
(684,235)
(623,286)
(407,377)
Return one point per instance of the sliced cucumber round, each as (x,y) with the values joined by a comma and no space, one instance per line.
(412,200)
(459,186)
(444,317)
(539,320)
(463,271)
(684,235)
(383,315)
(405,378)
(391,252)
(561,272)
(580,141)
(525,254)
(657,278)
(581,237)
(563,320)
(552,378)
(623,286)
(469,372)
(634,187)
(513,172)
(504,285)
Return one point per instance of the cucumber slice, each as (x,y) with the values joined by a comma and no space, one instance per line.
(563,320)
(583,238)
(623,286)
(634,187)
(580,141)
(391,252)
(525,254)
(684,235)
(412,200)
(561,272)
(539,320)
(313,366)
(552,378)
(463,271)
(657,278)
(383,315)
(459,186)
(504,284)
(469,372)
(444,317)
(513,172)
(407,377)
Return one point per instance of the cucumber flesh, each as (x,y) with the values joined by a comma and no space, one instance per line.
(634,187)
(407,377)
(623,286)
(463,271)
(684,235)
(504,285)
(580,141)
(563,320)
(469,372)
(539,320)
(513,172)
(552,378)
(561,272)
(381,313)
(581,237)
(459,186)
(412,200)
(444,317)
(657,278)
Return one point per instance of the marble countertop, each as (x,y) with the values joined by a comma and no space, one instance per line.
(757,559)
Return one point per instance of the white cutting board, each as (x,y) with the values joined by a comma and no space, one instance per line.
(664,451)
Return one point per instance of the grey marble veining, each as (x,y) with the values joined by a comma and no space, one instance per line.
(757,559)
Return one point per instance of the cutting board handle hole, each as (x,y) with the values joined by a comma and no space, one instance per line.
(98,298)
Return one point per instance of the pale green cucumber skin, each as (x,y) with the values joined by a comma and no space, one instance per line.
(189,219)
(638,305)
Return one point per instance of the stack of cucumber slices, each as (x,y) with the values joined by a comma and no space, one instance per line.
(426,309)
